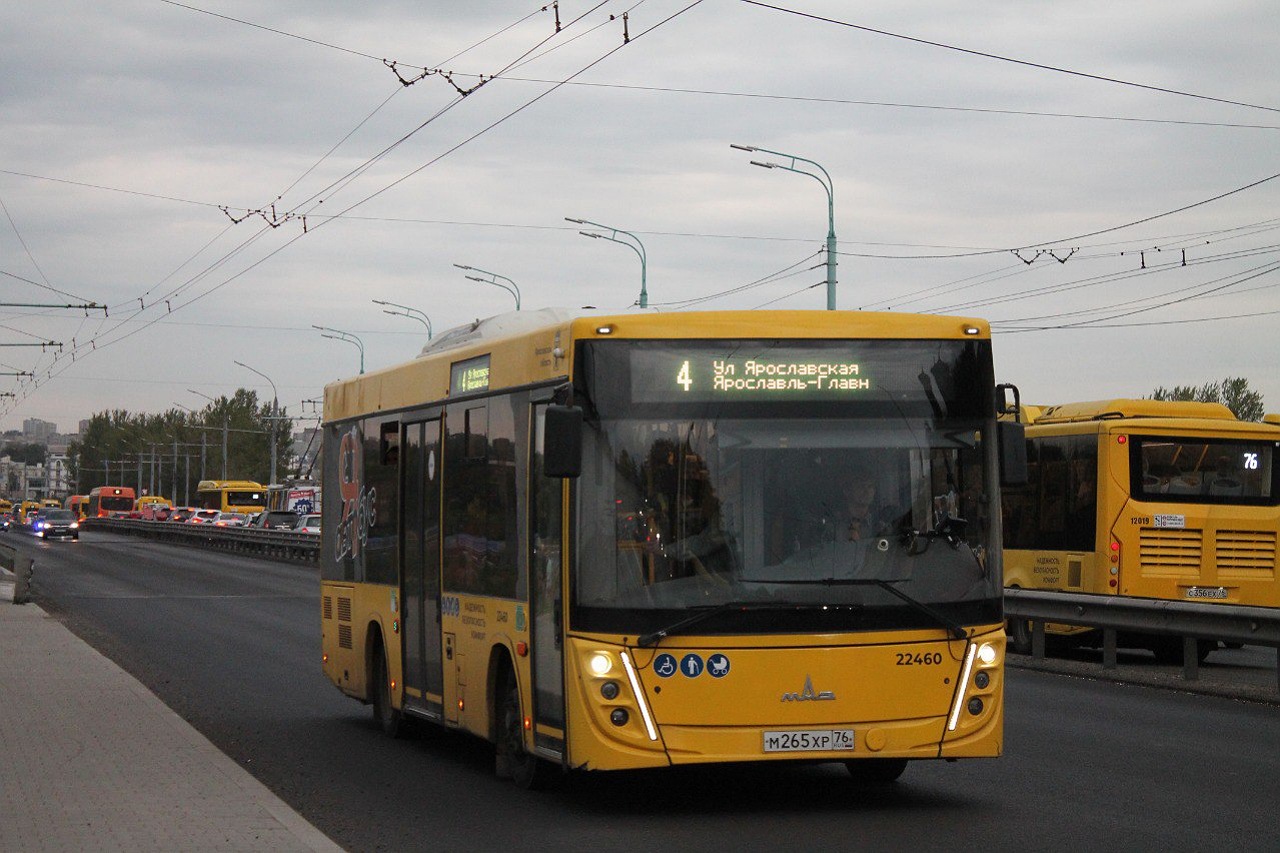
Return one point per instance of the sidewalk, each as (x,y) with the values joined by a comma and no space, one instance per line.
(91,760)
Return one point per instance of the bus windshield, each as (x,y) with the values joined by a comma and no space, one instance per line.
(785,507)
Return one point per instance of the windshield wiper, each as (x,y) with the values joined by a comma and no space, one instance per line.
(699,615)
(953,628)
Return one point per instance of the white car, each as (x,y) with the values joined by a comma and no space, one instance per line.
(205,516)
(309,524)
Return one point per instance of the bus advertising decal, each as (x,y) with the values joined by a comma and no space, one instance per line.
(357,503)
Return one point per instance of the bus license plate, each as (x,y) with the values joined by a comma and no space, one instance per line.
(813,740)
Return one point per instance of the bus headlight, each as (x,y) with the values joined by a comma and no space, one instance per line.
(987,654)
(600,664)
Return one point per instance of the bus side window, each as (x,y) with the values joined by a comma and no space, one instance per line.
(389,443)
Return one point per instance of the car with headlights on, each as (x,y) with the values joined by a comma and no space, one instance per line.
(56,524)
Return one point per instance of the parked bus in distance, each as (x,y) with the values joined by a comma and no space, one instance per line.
(231,495)
(109,501)
(1147,498)
(299,496)
(78,504)
(6,506)
(637,541)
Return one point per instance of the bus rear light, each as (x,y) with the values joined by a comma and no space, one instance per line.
(1113,583)
(528,724)
(461,705)
(522,649)
(1122,439)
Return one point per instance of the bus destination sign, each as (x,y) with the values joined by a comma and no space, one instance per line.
(468,376)
(673,375)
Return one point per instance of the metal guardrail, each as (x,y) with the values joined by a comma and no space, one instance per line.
(1113,614)
(276,544)
(23,568)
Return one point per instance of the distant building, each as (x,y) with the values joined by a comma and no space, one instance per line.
(57,476)
(34,429)
(84,426)
(21,481)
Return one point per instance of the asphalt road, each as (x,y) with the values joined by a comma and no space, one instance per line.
(232,644)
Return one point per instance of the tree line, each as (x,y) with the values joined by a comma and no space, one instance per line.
(1232,392)
(169,452)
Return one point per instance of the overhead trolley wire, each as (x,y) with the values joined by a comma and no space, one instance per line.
(1023,62)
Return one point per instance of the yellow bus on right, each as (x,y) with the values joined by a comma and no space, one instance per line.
(1145,498)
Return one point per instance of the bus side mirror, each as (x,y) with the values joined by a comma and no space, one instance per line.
(1013,453)
(562,442)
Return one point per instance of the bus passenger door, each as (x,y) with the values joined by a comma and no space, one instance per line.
(546,598)
(420,570)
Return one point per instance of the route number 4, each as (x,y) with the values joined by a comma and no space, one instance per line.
(682,378)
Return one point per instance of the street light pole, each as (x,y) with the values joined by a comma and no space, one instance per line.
(339,335)
(638,248)
(829,186)
(274,415)
(513,290)
(226,428)
(406,311)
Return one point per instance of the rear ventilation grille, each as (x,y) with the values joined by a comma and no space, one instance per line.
(1246,553)
(344,636)
(344,609)
(1167,553)
(328,607)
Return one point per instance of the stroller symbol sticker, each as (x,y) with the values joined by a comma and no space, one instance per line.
(665,666)
(718,665)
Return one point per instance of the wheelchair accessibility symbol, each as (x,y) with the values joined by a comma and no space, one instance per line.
(664,665)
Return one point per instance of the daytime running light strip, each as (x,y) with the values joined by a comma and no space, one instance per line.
(635,688)
(963,687)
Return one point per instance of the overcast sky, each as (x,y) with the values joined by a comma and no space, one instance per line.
(128,124)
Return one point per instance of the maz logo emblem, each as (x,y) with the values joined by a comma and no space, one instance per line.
(808,694)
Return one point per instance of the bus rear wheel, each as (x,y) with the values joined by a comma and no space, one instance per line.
(876,771)
(525,769)
(384,713)
(1020,636)
(1168,650)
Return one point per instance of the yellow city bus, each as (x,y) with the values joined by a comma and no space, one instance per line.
(620,542)
(78,504)
(231,495)
(1146,498)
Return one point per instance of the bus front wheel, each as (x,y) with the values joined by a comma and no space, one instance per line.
(526,770)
